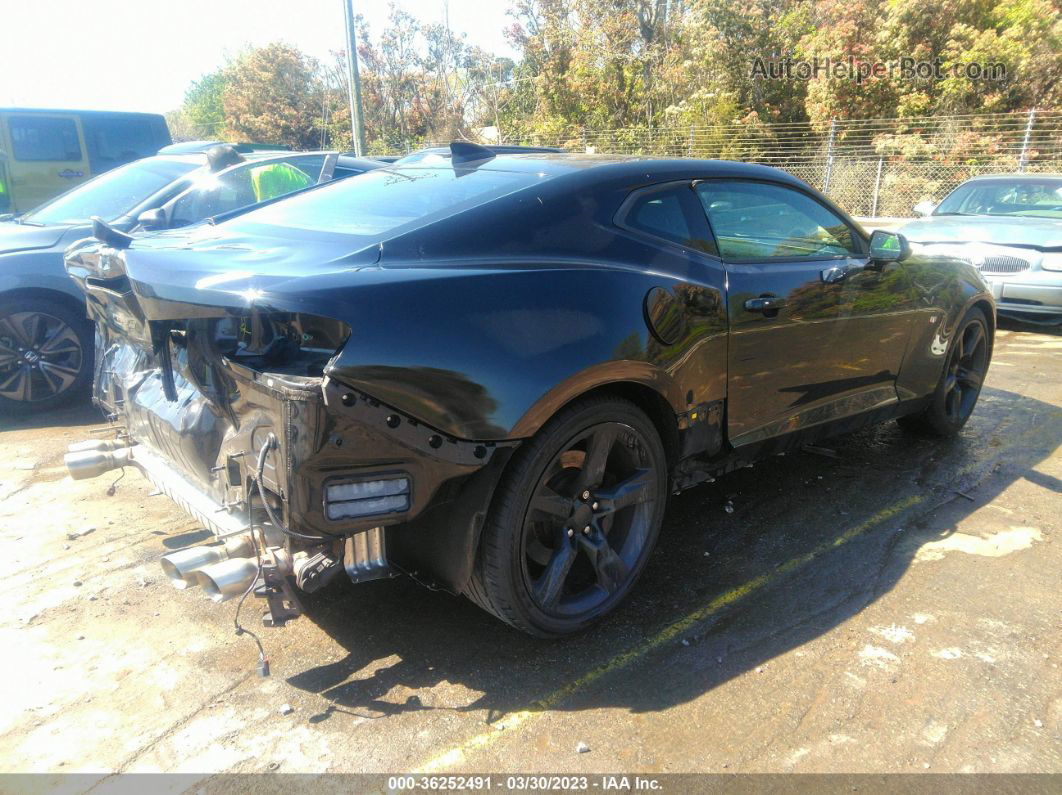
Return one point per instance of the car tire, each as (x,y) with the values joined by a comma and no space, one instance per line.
(46,351)
(955,396)
(573,520)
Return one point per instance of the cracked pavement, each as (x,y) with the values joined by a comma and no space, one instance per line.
(895,608)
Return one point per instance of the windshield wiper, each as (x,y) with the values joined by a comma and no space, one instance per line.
(24,222)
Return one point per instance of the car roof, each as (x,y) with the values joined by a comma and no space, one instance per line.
(637,168)
(130,113)
(187,147)
(199,158)
(1012,177)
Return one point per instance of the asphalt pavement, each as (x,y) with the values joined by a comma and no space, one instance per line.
(884,603)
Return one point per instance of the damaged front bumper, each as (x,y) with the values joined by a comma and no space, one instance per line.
(229,410)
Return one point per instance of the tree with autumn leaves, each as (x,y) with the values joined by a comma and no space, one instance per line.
(631,65)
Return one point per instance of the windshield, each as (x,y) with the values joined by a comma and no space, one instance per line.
(113,193)
(383,201)
(1023,198)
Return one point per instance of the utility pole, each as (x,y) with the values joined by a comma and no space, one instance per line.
(1023,158)
(829,156)
(357,128)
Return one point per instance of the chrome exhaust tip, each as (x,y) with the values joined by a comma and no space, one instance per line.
(227,578)
(84,464)
(180,567)
(97,444)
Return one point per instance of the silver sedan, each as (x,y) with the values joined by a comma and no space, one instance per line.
(1010,228)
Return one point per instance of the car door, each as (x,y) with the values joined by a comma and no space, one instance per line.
(817,330)
(45,157)
(244,185)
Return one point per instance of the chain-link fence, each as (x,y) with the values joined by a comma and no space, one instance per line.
(872,167)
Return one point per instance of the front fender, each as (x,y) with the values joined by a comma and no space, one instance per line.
(36,270)
(949,288)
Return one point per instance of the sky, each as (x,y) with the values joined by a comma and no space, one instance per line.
(141,55)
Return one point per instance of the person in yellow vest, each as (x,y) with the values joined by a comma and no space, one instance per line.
(5,194)
(276,179)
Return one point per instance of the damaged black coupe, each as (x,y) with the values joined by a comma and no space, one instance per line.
(489,371)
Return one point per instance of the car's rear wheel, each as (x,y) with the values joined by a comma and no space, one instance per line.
(573,520)
(45,354)
(956,394)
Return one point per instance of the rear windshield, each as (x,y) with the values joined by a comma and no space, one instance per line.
(380,203)
(113,194)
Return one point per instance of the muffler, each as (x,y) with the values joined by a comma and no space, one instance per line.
(84,464)
(181,566)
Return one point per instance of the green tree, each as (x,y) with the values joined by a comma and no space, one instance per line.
(272,94)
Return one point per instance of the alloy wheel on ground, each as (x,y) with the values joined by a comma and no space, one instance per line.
(966,371)
(589,520)
(41,356)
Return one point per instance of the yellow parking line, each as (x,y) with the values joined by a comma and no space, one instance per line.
(459,753)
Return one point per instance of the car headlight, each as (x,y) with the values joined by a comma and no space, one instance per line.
(1052,261)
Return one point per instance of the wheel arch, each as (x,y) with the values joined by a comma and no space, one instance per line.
(655,406)
(986,306)
(46,294)
(643,386)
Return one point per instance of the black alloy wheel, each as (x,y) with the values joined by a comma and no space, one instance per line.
(960,384)
(45,354)
(574,519)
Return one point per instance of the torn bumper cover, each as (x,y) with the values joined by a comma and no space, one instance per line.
(229,410)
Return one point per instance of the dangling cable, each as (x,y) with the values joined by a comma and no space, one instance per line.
(114,486)
(259,546)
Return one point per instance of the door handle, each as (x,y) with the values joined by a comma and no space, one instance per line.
(767,304)
(840,273)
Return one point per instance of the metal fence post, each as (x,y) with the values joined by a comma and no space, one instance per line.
(691,141)
(829,156)
(584,139)
(1023,159)
(877,188)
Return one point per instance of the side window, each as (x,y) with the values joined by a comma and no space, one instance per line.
(664,213)
(761,221)
(214,195)
(279,177)
(44,138)
(114,140)
(245,185)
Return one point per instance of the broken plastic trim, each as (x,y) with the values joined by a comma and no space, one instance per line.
(105,233)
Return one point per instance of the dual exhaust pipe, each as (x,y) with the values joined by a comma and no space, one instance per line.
(221,570)
(92,458)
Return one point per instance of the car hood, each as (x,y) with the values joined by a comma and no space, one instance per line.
(1039,233)
(23,237)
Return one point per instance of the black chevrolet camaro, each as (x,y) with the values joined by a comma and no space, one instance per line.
(489,371)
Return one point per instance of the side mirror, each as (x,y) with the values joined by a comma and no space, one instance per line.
(924,208)
(153,219)
(889,246)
